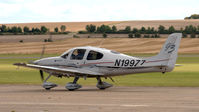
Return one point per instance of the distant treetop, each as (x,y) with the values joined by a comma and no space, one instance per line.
(193,16)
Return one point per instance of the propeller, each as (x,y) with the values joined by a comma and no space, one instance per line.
(43,50)
(41,56)
(42,75)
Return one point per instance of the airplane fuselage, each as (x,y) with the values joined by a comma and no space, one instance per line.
(111,64)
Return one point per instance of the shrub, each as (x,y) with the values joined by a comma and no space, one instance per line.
(135,30)
(82,32)
(56,30)
(44,29)
(75,36)
(21,41)
(63,28)
(130,35)
(26,30)
(143,30)
(114,29)
(104,35)
(127,29)
(184,35)
(104,29)
(157,35)
(50,40)
(161,29)
(171,29)
(90,28)
(146,36)
(137,35)
(45,40)
(193,35)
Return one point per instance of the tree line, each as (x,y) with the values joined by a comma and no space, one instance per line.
(193,16)
(149,30)
(31,31)
(193,30)
(104,29)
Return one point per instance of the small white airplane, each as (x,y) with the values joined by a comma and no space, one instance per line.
(94,62)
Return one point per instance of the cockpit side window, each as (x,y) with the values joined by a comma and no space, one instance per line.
(94,55)
(78,54)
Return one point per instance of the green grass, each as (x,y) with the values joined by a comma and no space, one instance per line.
(183,76)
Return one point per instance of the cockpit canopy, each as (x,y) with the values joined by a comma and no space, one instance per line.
(79,54)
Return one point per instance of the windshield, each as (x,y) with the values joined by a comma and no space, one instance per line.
(65,54)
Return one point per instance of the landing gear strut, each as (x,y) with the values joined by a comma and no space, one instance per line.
(102,85)
(71,86)
(48,85)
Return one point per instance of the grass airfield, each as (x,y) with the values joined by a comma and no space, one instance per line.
(182,76)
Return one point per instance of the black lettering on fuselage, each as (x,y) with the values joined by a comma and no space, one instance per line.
(127,62)
(117,62)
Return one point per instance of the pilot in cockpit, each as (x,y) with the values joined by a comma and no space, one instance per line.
(78,54)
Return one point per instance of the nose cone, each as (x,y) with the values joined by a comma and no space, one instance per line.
(37,62)
(47,61)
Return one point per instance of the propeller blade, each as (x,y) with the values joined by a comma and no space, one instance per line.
(43,50)
(42,75)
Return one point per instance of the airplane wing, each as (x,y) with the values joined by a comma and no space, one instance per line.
(70,70)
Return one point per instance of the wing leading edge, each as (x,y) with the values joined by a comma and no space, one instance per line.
(70,70)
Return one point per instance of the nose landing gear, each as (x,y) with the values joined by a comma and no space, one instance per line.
(48,85)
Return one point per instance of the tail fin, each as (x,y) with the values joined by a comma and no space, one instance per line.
(168,55)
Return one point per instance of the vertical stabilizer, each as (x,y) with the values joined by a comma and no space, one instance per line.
(170,50)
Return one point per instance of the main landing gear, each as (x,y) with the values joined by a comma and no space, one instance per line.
(102,85)
(71,86)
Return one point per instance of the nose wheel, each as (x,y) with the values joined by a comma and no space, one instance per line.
(48,85)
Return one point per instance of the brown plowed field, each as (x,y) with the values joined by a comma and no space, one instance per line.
(125,45)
